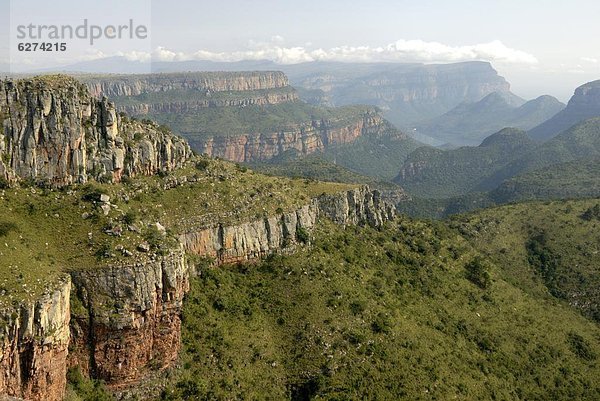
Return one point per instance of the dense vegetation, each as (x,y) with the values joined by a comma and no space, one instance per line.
(434,173)
(378,156)
(45,232)
(316,167)
(408,312)
(544,248)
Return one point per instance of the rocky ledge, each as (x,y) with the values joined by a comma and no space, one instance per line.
(306,139)
(55,132)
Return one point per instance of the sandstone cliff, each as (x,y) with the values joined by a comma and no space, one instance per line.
(306,139)
(133,85)
(407,93)
(123,320)
(251,240)
(130,318)
(55,132)
(34,344)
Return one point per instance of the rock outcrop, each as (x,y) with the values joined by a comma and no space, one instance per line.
(131,318)
(55,132)
(227,244)
(125,319)
(306,139)
(34,344)
(206,82)
(408,93)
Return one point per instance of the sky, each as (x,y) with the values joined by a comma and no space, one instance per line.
(540,47)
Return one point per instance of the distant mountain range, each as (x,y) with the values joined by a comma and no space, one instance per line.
(471,122)
(434,173)
(584,104)
(407,93)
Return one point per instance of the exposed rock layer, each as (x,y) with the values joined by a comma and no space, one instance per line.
(133,85)
(54,131)
(34,345)
(305,139)
(584,104)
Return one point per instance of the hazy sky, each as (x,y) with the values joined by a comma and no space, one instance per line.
(539,46)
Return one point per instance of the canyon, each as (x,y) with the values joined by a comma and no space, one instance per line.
(118,319)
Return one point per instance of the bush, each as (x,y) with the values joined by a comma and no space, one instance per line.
(580,347)
(202,164)
(478,273)
(302,235)
(6,227)
(87,389)
(593,213)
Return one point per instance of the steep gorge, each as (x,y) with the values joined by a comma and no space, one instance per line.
(118,321)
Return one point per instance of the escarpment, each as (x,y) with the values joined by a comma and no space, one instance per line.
(34,340)
(55,132)
(116,315)
(227,244)
(206,82)
(305,138)
(128,317)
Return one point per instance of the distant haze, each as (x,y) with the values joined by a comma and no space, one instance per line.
(540,47)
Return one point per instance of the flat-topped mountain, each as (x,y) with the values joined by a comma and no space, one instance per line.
(239,116)
(584,104)
(407,93)
(470,123)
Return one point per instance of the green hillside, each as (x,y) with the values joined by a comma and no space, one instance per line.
(578,179)
(435,173)
(548,249)
(379,156)
(409,312)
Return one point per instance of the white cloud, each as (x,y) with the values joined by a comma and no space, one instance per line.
(399,51)
(589,60)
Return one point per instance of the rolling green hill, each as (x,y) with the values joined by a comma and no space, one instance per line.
(409,312)
(547,249)
(435,173)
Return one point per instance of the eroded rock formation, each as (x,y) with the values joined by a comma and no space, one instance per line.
(133,85)
(306,139)
(55,132)
(34,344)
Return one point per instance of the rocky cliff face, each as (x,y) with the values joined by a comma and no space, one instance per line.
(227,244)
(189,106)
(122,321)
(305,139)
(131,318)
(133,85)
(34,345)
(584,104)
(54,131)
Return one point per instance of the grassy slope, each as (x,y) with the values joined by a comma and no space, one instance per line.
(389,314)
(315,167)
(231,121)
(579,179)
(43,233)
(516,235)
(378,156)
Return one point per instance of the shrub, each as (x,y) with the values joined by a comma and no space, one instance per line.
(6,227)
(580,347)
(478,273)
(593,213)
(302,235)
